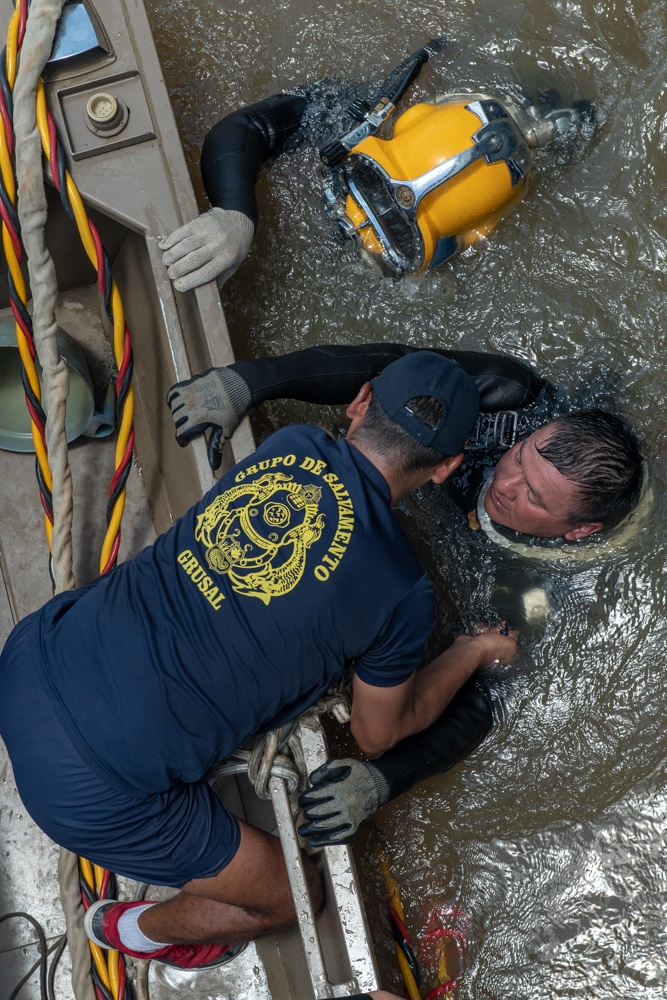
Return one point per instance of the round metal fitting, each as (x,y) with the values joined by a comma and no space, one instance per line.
(405,196)
(105,114)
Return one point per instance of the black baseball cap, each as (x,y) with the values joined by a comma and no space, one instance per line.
(425,373)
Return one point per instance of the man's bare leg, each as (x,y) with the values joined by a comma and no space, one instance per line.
(250,897)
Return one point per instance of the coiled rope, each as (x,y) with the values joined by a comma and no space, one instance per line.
(279,753)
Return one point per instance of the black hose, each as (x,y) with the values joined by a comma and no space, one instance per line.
(41,962)
(400,78)
(390,92)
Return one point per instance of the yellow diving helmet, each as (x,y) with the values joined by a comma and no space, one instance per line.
(443,180)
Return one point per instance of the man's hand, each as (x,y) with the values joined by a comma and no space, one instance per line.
(498,646)
(381,716)
(218,398)
(212,246)
(343,793)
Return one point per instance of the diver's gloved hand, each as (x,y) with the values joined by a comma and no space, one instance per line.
(212,246)
(217,398)
(343,793)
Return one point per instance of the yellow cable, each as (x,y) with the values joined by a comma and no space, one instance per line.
(113,528)
(14,265)
(11,58)
(118,324)
(99,878)
(87,872)
(113,962)
(6,166)
(443,971)
(100,963)
(410,982)
(395,900)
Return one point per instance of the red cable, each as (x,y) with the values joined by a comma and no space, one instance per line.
(400,926)
(53,143)
(18,316)
(36,419)
(113,555)
(9,126)
(439,991)
(49,513)
(99,252)
(127,455)
(23,17)
(104,888)
(10,229)
(450,932)
(121,980)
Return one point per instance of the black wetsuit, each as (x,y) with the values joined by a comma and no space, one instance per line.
(334,373)
(235,149)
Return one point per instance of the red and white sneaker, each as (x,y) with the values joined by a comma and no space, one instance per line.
(101,926)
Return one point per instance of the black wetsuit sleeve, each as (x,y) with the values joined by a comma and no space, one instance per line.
(334,373)
(463,725)
(235,149)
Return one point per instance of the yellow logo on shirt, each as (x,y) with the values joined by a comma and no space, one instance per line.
(257,534)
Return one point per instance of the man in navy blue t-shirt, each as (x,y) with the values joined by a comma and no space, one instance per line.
(116,699)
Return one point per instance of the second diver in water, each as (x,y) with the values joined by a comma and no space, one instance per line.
(412,200)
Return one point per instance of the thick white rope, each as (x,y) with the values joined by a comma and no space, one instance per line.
(32,209)
(279,753)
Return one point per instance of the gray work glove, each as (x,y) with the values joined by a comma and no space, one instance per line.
(217,398)
(212,246)
(343,793)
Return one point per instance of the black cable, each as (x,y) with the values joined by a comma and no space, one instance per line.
(60,943)
(59,948)
(99,984)
(43,952)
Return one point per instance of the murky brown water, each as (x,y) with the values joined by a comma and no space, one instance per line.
(551,837)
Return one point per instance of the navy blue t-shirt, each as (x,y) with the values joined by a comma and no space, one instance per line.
(239,617)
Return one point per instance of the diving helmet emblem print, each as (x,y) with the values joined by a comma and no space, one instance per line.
(258,533)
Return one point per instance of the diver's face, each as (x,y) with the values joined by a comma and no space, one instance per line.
(530,495)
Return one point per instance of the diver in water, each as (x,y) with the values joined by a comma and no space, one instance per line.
(562,479)
(449,171)
(559,480)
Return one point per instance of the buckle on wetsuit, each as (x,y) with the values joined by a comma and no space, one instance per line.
(495,431)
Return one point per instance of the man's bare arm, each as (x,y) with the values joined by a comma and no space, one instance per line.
(383,716)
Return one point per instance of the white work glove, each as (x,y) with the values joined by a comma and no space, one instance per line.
(343,793)
(212,246)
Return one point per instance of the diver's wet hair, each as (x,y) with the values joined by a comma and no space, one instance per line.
(598,451)
(399,448)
